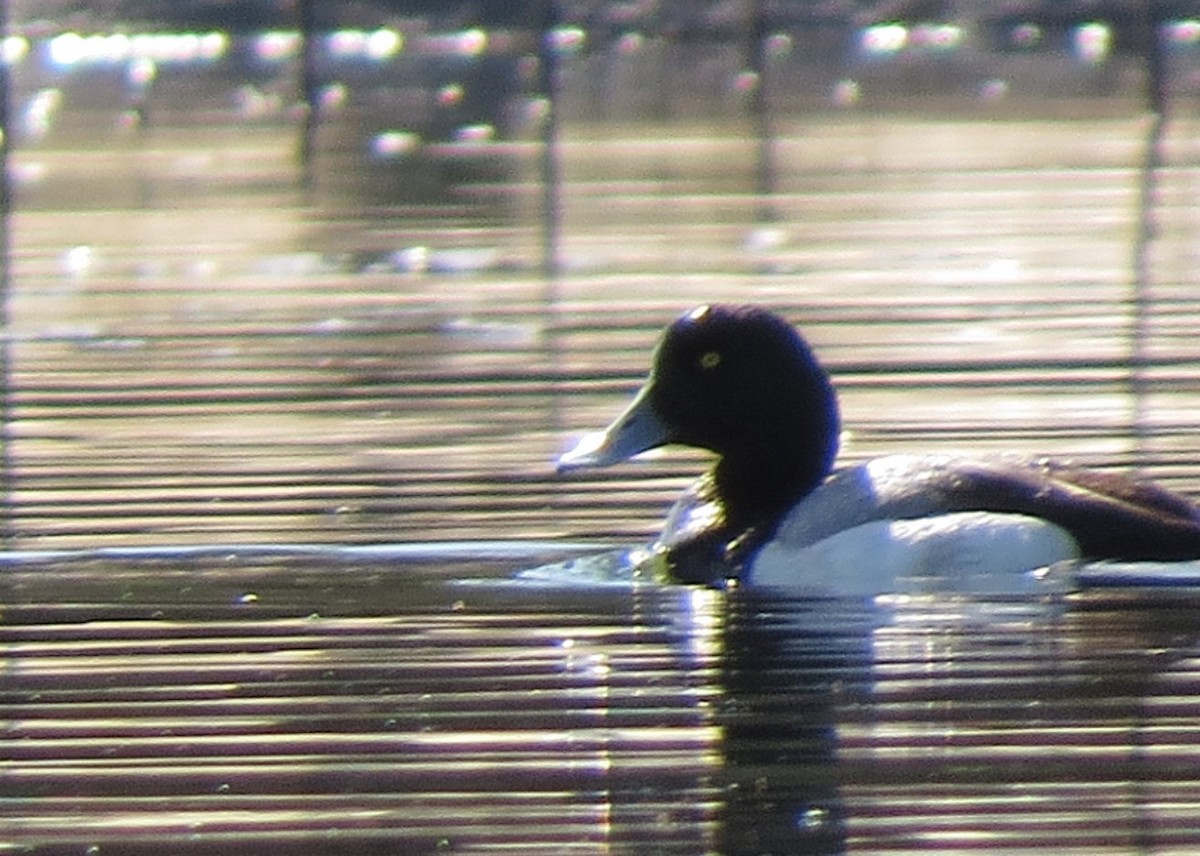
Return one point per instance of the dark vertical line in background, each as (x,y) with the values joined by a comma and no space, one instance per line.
(309,48)
(6,202)
(760,112)
(1154,61)
(551,165)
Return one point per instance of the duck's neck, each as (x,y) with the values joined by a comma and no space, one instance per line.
(786,463)
(752,490)
(777,442)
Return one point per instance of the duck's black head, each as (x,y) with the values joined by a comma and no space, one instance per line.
(741,382)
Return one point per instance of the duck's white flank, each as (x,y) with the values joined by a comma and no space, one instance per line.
(972,551)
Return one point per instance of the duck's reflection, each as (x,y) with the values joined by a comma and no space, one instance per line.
(780,676)
(950,721)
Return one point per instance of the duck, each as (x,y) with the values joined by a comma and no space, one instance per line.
(775,510)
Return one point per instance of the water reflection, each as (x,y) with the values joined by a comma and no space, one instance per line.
(782,665)
(328,701)
(202,350)
(205,354)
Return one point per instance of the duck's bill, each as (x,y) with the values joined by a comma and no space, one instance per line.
(636,430)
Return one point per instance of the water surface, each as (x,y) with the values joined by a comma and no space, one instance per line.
(337,703)
(367,380)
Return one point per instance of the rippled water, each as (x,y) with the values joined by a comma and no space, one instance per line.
(218,369)
(393,703)
(277,458)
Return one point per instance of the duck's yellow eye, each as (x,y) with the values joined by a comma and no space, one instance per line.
(710,360)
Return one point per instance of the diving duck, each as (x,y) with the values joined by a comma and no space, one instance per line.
(741,382)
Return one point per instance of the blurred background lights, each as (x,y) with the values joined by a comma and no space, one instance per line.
(68,50)
(472,42)
(461,43)
(253,103)
(993,89)
(277,45)
(1027,35)
(937,37)
(745,81)
(346,43)
(450,95)
(375,45)
(394,144)
(882,39)
(477,133)
(1092,42)
(778,45)
(845,93)
(14,49)
(142,72)
(534,111)
(384,43)
(630,43)
(333,95)
(1185,32)
(567,40)
(39,112)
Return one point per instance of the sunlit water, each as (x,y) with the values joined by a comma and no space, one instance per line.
(394,700)
(431,699)
(290,564)
(200,351)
